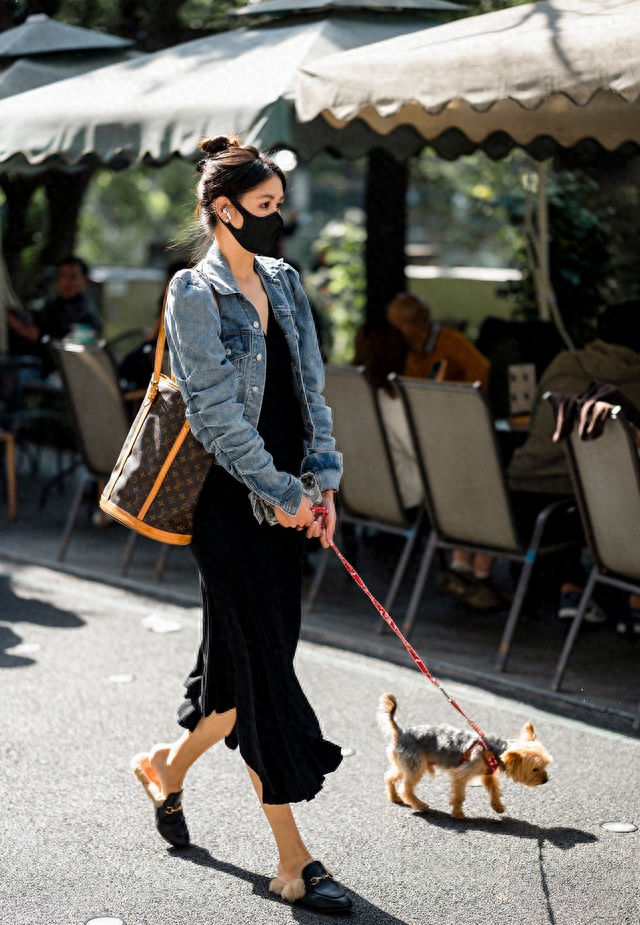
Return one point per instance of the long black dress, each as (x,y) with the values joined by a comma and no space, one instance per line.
(251,585)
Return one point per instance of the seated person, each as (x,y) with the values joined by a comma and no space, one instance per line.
(72,305)
(430,343)
(538,472)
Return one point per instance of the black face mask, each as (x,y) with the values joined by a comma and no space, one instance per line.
(259,233)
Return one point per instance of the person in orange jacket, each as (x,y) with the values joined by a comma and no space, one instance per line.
(442,353)
(430,343)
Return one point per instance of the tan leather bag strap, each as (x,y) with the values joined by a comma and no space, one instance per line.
(162,337)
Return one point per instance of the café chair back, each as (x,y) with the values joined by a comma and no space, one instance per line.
(465,488)
(100,419)
(369,490)
(606,478)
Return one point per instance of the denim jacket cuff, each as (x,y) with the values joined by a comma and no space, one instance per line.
(290,502)
(327,467)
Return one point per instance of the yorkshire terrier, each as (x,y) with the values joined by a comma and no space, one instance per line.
(419,749)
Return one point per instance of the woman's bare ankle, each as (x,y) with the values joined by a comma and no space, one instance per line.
(290,867)
(170,778)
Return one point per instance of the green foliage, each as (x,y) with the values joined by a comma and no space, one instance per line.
(580,250)
(341,246)
(127,213)
(203,14)
(456,206)
(478,7)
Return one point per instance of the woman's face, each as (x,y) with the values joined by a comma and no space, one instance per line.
(264,199)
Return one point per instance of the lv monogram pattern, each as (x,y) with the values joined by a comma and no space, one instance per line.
(142,457)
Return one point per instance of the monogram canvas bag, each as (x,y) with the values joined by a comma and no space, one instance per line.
(159,472)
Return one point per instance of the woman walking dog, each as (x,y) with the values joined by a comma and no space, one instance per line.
(249,368)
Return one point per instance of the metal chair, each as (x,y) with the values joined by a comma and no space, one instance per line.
(606,477)
(369,491)
(466,493)
(99,415)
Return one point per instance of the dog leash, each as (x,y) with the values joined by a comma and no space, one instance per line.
(489,757)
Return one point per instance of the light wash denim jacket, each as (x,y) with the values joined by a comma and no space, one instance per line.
(219,363)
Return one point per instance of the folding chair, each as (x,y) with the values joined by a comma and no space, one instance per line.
(369,491)
(100,418)
(606,478)
(465,489)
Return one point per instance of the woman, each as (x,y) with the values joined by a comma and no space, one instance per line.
(248,366)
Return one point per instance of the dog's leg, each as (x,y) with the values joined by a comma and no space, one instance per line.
(492,786)
(409,782)
(391,778)
(459,781)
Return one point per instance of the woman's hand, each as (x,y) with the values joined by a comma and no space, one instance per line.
(324,524)
(302,518)
(321,525)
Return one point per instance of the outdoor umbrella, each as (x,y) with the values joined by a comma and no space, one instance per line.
(552,72)
(161,104)
(541,76)
(43,50)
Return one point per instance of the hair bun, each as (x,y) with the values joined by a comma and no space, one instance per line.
(213,146)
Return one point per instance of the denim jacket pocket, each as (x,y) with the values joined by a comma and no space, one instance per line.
(237,348)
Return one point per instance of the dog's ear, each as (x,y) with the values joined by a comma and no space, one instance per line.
(511,759)
(527,733)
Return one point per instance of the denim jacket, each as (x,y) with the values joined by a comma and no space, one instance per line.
(218,359)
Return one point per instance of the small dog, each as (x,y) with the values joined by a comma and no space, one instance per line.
(421,749)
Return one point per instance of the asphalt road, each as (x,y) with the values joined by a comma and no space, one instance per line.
(77,838)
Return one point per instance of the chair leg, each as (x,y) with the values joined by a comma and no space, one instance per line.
(162,560)
(10,463)
(127,555)
(73,516)
(398,575)
(523,584)
(573,631)
(421,578)
(636,722)
(514,613)
(310,600)
(317,579)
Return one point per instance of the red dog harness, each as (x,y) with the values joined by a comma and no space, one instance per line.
(487,754)
(490,759)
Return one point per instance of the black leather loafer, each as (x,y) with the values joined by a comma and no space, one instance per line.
(322,892)
(170,821)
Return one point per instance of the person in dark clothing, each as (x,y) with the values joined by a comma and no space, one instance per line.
(72,305)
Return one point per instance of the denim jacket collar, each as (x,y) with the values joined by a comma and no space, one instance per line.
(219,272)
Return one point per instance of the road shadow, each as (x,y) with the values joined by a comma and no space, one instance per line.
(558,836)
(15,609)
(371,914)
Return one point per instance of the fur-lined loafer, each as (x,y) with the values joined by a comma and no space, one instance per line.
(315,889)
(170,821)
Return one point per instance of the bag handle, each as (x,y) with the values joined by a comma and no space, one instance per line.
(162,337)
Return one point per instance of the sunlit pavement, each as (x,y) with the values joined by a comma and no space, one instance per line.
(91,674)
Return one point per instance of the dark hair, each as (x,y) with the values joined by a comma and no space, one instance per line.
(229,169)
(73,259)
(620,324)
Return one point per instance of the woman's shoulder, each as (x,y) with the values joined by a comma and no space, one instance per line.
(187,278)
(191,296)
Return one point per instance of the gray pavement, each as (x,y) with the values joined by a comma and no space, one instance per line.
(78,838)
(602,683)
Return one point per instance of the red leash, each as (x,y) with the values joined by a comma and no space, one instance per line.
(489,757)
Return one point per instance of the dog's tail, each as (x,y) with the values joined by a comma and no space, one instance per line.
(387,715)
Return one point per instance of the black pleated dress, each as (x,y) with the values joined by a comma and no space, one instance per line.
(251,585)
